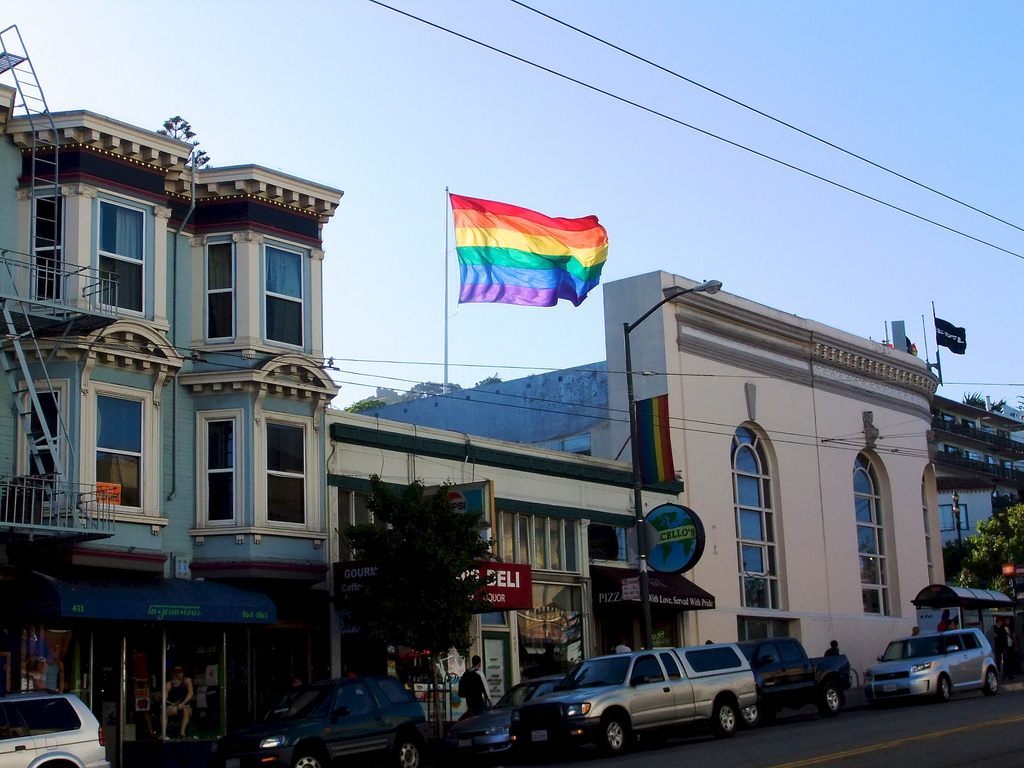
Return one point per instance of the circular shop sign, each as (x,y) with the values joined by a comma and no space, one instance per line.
(675,538)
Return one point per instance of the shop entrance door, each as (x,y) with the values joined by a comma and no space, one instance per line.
(108,685)
(497,661)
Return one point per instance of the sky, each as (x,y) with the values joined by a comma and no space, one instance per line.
(393,112)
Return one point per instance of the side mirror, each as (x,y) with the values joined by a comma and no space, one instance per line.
(879,658)
(340,712)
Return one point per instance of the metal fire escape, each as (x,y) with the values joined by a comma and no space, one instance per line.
(44,297)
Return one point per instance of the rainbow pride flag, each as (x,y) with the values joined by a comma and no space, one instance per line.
(655,440)
(512,255)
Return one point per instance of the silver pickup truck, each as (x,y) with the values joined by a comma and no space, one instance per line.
(609,699)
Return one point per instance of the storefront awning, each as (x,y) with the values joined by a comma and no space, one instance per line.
(165,600)
(618,586)
(944,596)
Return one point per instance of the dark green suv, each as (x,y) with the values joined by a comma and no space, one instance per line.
(312,726)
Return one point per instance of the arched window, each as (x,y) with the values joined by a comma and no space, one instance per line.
(874,577)
(927,532)
(755,521)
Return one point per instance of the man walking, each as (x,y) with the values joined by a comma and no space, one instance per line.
(473,688)
(1000,646)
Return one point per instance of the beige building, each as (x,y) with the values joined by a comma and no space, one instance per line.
(803,449)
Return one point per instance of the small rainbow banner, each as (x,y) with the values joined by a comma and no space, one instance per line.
(512,255)
(655,440)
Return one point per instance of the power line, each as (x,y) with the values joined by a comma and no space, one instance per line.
(710,134)
(768,116)
(618,416)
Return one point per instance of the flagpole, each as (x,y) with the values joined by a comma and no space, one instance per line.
(924,335)
(444,386)
(938,355)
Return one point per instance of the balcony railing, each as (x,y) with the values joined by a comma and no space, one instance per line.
(48,291)
(967,430)
(43,506)
(980,467)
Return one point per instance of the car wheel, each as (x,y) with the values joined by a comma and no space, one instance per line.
(615,734)
(830,699)
(751,715)
(407,752)
(309,760)
(724,719)
(943,690)
(991,687)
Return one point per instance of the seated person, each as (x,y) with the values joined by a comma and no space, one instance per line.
(179,696)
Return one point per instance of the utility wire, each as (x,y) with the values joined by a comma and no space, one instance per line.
(614,414)
(677,121)
(619,416)
(767,116)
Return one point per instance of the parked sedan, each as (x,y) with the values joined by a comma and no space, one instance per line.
(933,664)
(488,733)
(313,726)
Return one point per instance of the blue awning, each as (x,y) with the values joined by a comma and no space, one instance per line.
(168,600)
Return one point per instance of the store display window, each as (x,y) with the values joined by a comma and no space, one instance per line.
(551,634)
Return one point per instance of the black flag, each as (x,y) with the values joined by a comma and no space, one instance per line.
(950,336)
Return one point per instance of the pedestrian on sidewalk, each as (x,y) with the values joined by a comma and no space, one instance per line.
(1000,646)
(833,648)
(473,688)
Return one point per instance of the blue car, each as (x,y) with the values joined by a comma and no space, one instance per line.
(312,726)
(488,733)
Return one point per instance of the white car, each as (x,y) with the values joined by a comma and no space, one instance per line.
(44,730)
(933,664)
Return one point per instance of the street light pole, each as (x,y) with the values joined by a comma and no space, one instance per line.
(709,287)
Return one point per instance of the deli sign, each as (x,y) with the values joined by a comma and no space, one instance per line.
(509,586)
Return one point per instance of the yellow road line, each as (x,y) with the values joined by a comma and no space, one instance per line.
(896,743)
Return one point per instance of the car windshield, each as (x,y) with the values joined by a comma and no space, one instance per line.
(523,692)
(300,703)
(912,648)
(596,672)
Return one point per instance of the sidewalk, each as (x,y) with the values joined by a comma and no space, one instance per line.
(855,696)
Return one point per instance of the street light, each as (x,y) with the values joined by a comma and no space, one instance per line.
(709,287)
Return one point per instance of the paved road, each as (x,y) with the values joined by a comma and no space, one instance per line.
(970,730)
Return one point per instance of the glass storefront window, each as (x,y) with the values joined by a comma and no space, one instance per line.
(51,659)
(551,634)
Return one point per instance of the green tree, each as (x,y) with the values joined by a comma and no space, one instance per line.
(495,379)
(999,540)
(428,389)
(179,128)
(974,398)
(426,587)
(366,404)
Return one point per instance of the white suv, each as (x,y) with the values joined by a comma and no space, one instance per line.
(41,729)
(933,664)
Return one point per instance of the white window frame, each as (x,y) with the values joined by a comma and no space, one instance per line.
(211,291)
(927,533)
(311,467)
(149,479)
(56,250)
(142,263)
(301,300)
(877,527)
(769,517)
(203,420)
(60,387)
(505,517)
